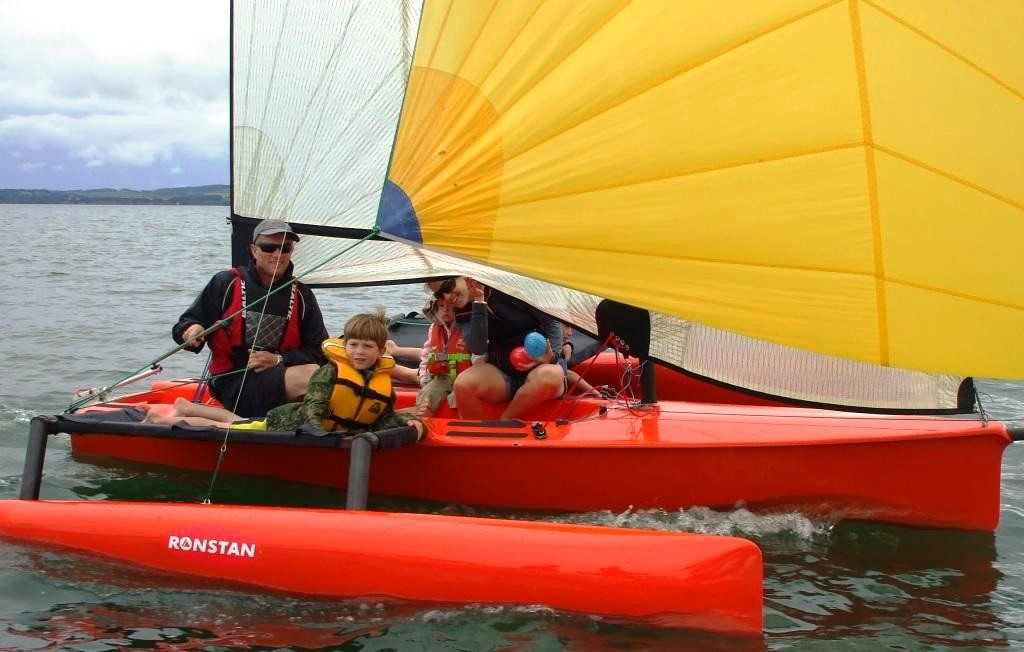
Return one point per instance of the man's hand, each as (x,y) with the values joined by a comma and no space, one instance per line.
(262,360)
(190,332)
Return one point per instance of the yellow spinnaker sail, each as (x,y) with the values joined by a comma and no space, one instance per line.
(843,177)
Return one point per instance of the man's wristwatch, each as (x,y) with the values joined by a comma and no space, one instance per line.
(280,359)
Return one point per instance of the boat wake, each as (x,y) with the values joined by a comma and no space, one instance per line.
(704,520)
(12,416)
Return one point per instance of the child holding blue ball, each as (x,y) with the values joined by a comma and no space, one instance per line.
(494,324)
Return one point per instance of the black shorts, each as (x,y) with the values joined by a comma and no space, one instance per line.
(259,391)
(514,380)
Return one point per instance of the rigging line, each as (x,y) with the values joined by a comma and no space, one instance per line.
(203,379)
(225,321)
(981,408)
(208,498)
(173,384)
(581,374)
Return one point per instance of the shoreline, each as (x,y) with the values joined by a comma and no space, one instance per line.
(208,195)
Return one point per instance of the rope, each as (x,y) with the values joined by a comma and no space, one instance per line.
(579,378)
(208,498)
(981,408)
(201,385)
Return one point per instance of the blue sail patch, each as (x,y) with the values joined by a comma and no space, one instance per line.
(396,216)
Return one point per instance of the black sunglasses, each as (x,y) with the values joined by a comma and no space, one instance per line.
(270,247)
(446,287)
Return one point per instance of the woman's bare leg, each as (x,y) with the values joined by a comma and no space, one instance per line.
(481,383)
(192,414)
(201,421)
(543,383)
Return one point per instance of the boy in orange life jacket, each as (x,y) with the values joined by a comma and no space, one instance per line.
(352,392)
(444,356)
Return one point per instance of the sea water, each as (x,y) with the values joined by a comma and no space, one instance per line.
(91,294)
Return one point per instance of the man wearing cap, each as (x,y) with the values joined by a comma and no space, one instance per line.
(277,340)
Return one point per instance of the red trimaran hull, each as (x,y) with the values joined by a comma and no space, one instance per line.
(663,578)
(922,471)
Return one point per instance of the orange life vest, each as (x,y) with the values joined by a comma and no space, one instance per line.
(448,354)
(356,402)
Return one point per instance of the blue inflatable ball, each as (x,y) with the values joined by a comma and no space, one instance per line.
(535,344)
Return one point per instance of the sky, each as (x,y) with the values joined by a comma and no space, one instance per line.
(113,93)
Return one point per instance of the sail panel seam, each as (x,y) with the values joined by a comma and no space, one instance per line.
(689,173)
(776,266)
(881,305)
(437,39)
(947,49)
(401,111)
(546,73)
(952,177)
(413,98)
(679,73)
(441,99)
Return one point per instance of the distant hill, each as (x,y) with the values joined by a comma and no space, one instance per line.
(189,195)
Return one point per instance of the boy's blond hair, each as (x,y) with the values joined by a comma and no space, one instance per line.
(371,326)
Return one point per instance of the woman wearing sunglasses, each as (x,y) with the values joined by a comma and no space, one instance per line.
(277,340)
(494,323)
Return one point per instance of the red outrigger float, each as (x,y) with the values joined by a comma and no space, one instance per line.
(661,578)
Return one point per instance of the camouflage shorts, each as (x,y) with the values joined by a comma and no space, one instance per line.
(436,390)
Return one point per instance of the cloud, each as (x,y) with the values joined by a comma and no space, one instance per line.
(28,167)
(116,84)
(176,170)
